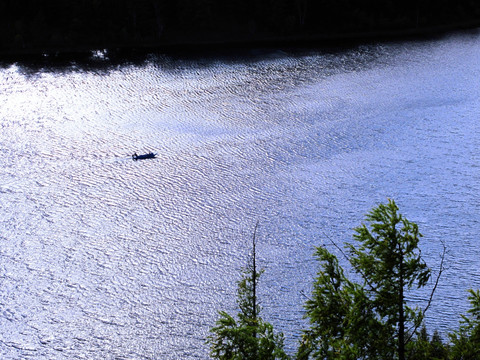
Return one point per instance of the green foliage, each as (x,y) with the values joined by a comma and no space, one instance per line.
(246,292)
(423,347)
(353,321)
(248,337)
(238,340)
(343,324)
(390,262)
(367,320)
(466,341)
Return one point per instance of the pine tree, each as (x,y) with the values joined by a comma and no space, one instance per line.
(371,319)
(466,341)
(248,337)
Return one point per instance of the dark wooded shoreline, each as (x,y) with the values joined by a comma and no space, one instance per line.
(53,27)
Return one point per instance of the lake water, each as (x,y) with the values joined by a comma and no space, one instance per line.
(102,257)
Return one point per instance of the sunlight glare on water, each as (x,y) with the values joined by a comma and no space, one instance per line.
(105,257)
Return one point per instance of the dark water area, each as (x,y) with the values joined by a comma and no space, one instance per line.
(103,257)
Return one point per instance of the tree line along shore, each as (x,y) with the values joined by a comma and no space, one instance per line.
(46,26)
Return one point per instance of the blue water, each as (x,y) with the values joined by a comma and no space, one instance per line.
(104,257)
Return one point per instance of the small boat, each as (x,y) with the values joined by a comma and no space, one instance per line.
(143,156)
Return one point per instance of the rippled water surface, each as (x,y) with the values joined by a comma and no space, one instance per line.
(105,257)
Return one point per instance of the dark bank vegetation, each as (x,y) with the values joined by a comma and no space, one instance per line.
(348,320)
(29,26)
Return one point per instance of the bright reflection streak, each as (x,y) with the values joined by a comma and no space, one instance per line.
(101,256)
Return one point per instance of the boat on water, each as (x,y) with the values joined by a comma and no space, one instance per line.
(143,156)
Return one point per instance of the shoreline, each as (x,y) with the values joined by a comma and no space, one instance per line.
(213,42)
